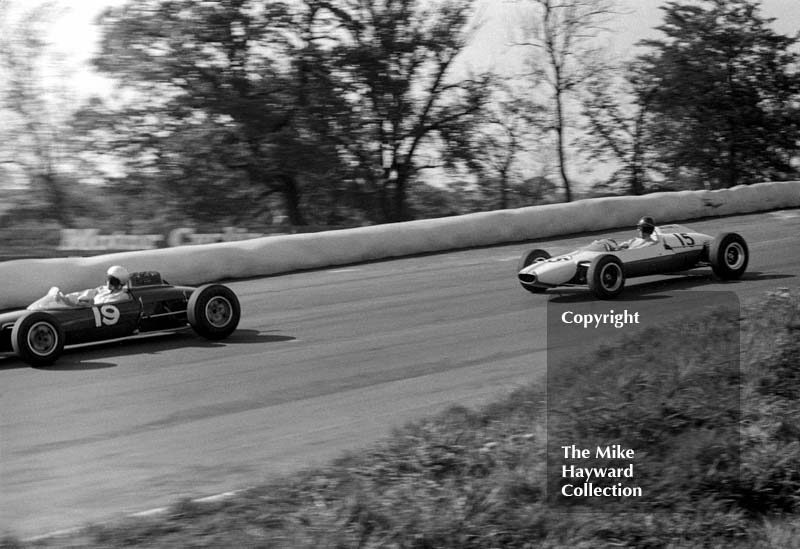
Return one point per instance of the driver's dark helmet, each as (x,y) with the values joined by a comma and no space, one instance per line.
(647,225)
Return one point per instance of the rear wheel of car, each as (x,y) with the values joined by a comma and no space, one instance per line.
(213,311)
(38,338)
(528,259)
(728,255)
(606,277)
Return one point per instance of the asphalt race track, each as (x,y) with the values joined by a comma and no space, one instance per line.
(323,362)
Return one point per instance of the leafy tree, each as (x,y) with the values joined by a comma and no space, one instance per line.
(228,100)
(398,59)
(33,135)
(565,34)
(724,93)
(325,104)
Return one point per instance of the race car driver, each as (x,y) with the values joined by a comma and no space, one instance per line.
(646,235)
(112,292)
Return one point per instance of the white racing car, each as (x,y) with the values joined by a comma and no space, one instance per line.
(603,266)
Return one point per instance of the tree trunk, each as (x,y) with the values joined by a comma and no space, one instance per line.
(560,146)
(503,189)
(57,202)
(637,159)
(291,194)
(400,209)
(732,171)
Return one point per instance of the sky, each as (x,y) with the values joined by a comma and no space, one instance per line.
(74,36)
(74,39)
(636,21)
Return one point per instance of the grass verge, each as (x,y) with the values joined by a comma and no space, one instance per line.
(477,478)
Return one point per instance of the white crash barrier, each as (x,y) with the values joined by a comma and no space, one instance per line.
(23,281)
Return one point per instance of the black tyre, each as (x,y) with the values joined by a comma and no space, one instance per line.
(606,277)
(728,255)
(213,311)
(529,258)
(38,338)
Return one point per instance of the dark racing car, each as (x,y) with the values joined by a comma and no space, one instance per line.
(39,333)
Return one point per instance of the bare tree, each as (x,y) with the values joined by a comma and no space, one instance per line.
(564,36)
(512,120)
(617,113)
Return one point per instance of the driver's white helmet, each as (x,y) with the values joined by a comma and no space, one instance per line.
(118,272)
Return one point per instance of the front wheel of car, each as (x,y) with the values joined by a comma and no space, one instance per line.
(213,311)
(728,255)
(606,277)
(528,259)
(38,338)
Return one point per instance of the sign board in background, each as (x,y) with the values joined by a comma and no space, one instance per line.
(94,240)
(47,241)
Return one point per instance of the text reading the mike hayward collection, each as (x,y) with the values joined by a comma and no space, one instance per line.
(594,320)
(608,476)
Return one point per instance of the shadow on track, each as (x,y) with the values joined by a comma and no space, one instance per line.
(254,336)
(653,290)
(90,356)
(68,365)
(756,275)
